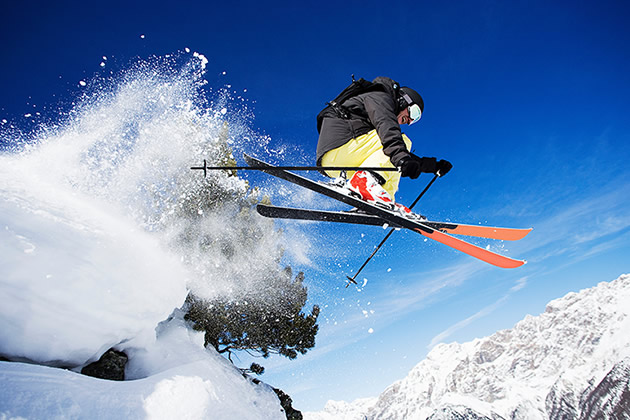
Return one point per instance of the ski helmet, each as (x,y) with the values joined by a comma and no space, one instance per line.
(410,97)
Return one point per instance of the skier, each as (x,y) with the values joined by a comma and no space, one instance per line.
(361,127)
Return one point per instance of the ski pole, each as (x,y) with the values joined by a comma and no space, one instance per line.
(436,176)
(205,168)
(392,230)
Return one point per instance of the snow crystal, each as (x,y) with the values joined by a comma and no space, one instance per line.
(371,331)
(82,83)
(203,59)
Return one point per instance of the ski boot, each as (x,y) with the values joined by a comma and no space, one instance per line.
(368,186)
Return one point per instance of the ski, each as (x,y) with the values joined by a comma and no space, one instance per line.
(320,215)
(389,217)
(480,231)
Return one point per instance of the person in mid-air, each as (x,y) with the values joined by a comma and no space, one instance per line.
(361,128)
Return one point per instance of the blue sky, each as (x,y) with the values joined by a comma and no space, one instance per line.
(528,100)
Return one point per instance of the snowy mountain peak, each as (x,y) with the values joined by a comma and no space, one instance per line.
(572,361)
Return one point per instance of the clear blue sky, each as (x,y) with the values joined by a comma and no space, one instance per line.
(528,100)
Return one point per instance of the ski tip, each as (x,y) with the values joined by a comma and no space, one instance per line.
(513,264)
(518,234)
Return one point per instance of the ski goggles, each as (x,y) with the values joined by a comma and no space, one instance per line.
(415,113)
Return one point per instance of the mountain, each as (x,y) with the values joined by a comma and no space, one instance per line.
(570,362)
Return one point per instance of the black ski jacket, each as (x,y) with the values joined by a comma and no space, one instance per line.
(373,110)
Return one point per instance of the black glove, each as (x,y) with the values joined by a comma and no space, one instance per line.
(443,166)
(410,166)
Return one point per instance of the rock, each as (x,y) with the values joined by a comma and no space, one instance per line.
(286,403)
(110,366)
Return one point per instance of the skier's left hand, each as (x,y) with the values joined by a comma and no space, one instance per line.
(443,166)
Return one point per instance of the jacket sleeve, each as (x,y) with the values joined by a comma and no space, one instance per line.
(380,109)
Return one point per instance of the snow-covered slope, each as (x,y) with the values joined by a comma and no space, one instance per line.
(90,256)
(74,279)
(177,379)
(572,361)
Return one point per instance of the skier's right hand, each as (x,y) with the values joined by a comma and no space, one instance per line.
(411,166)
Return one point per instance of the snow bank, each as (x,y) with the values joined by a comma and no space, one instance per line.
(75,279)
(93,254)
(192,383)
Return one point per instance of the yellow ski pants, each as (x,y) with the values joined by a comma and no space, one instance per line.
(365,150)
